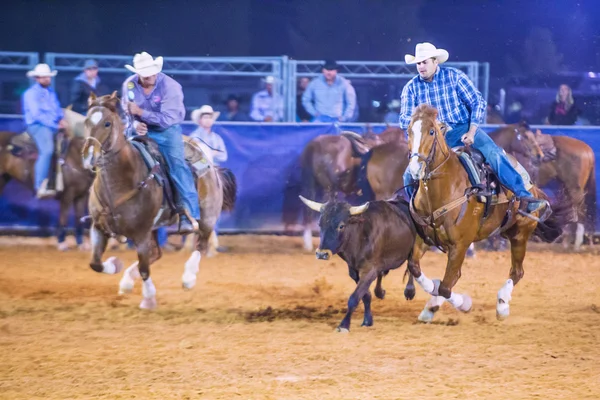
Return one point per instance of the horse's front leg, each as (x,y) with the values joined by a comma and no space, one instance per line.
(148,251)
(379,290)
(456,257)
(362,288)
(80,207)
(99,240)
(61,232)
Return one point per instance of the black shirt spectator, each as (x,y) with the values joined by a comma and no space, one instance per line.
(85,83)
(564,111)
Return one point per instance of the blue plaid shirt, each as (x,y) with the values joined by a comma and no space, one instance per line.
(451,92)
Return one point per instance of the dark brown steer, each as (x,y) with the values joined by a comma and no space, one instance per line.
(373,239)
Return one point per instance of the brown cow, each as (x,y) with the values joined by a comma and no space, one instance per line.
(373,239)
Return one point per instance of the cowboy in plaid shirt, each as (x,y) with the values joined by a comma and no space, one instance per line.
(461,106)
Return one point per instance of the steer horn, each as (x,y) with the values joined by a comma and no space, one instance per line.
(313,205)
(359,209)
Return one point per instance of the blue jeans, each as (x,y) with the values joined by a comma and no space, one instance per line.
(44,140)
(170,144)
(494,156)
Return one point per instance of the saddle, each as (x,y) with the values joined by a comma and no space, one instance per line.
(155,162)
(546,145)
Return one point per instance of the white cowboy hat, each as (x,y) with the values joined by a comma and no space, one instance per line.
(269,79)
(426,50)
(41,71)
(144,65)
(205,109)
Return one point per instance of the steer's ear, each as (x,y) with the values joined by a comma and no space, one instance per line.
(313,205)
(359,209)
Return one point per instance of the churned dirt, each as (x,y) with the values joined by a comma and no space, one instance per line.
(260,325)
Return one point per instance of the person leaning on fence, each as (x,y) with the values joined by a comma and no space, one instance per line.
(155,101)
(43,117)
(267,106)
(205,117)
(564,110)
(84,84)
(462,107)
(330,97)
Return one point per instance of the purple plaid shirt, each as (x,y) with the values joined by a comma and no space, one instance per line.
(162,108)
(451,92)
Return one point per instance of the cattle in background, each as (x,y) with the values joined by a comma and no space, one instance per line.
(373,239)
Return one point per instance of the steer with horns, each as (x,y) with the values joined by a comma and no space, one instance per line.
(373,239)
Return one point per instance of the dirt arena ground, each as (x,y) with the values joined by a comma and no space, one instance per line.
(260,325)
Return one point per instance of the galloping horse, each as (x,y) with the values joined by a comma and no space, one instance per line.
(126,200)
(76,179)
(450,215)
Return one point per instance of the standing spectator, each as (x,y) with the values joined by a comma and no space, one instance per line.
(84,84)
(267,106)
(393,115)
(301,114)
(233,110)
(329,97)
(564,111)
(44,117)
(205,117)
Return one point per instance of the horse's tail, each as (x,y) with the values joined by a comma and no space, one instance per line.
(590,199)
(229,188)
(364,186)
(563,213)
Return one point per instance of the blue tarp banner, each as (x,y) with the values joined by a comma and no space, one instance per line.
(263,157)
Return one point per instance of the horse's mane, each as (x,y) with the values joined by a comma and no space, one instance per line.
(425,111)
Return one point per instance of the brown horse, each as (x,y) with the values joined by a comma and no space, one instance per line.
(76,179)
(574,168)
(450,216)
(329,164)
(126,200)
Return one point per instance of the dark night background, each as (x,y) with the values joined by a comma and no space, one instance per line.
(516,37)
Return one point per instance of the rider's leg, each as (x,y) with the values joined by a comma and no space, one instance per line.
(44,140)
(170,143)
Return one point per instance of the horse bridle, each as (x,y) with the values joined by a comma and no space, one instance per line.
(429,158)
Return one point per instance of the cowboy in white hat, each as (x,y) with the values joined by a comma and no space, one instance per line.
(266,105)
(462,107)
(155,101)
(44,117)
(205,117)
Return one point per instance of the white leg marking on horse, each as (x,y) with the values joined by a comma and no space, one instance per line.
(94,238)
(308,244)
(504,297)
(149,293)
(192,266)
(414,166)
(427,315)
(129,277)
(96,117)
(112,266)
(579,235)
(425,282)
(456,300)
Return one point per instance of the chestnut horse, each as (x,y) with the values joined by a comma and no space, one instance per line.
(76,179)
(126,200)
(450,216)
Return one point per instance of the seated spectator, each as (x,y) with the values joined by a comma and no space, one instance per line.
(301,114)
(393,115)
(205,117)
(267,106)
(564,111)
(233,110)
(84,84)
(329,97)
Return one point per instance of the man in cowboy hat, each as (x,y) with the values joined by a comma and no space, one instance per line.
(329,97)
(84,84)
(462,107)
(205,117)
(44,117)
(155,101)
(267,106)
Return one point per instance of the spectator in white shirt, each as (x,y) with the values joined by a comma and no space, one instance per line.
(267,106)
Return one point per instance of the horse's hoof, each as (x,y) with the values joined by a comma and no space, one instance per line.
(367,323)
(112,262)
(502,311)
(63,246)
(211,253)
(84,247)
(426,316)
(148,304)
(188,284)
(409,293)
(380,294)
(342,330)
(125,289)
(467,304)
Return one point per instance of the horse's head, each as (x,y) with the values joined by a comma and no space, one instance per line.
(425,134)
(526,144)
(103,128)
